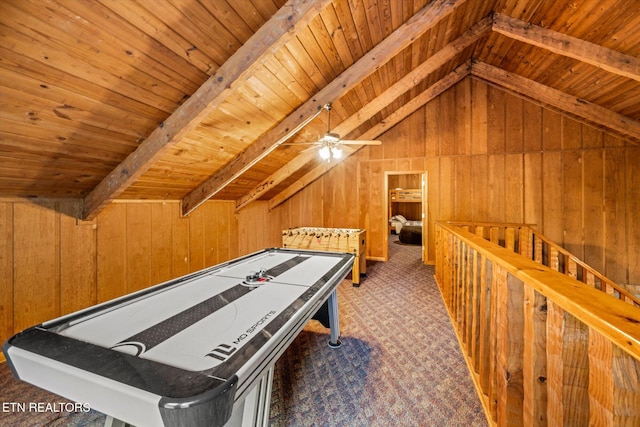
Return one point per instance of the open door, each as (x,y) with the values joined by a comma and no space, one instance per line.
(405,196)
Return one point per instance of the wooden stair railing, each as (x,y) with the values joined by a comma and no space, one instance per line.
(543,348)
(527,241)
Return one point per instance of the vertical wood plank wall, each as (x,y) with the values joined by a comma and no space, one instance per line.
(51,265)
(494,157)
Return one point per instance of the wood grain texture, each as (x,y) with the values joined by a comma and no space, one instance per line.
(534,360)
(237,69)
(590,53)
(111,252)
(36,246)
(510,324)
(78,278)
(381,54)
(6,271)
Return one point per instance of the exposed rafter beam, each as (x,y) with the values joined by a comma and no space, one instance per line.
(596,55)
(421,22)
(276,178)
(437,60)
(281,28)
(408,82)
(593,113)
(396,117)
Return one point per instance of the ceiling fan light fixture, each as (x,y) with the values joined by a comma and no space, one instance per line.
(336,153)
(325,153)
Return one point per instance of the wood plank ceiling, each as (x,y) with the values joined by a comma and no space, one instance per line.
(191,99)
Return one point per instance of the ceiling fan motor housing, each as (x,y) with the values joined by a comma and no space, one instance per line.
(330,137)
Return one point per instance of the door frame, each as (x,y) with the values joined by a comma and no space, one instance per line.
(423,173)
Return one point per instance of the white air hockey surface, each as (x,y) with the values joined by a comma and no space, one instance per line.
(188,340)
(188,348)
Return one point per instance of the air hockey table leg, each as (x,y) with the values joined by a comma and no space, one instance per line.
(254,410)
(334,320)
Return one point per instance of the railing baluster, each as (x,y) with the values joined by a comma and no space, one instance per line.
(510,325)
(589,278)
(535,358)
(510,238)
(474,320)
(496,273)
(572,268)
(494,235)
(485,323)
(537,257)
(554,259)
(568,369)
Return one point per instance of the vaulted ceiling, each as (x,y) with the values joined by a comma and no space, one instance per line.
(193,99)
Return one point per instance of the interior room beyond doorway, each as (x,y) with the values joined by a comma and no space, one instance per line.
(404,194)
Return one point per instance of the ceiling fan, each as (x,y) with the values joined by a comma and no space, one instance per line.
(330,143)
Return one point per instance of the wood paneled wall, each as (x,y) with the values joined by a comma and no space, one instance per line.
(51,264)
(494,156)
(511,160)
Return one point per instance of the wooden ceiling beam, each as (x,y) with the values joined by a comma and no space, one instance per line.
(396,117)
(421,22)
(572,47)
(279,30)
(408,82)
(558,100)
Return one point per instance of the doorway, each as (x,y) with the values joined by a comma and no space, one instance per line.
(405,196)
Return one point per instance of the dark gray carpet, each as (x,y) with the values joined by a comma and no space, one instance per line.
(399,364)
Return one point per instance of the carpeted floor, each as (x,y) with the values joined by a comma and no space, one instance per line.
(399,364)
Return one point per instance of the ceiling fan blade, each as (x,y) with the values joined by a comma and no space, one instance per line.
(358,142)
(308,149)
(302,143)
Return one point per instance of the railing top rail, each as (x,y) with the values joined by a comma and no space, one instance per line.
(489,224)
(619,288)
(614,319)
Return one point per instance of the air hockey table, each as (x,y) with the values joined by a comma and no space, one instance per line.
(198,350)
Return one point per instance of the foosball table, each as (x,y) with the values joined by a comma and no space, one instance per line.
(352,240)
